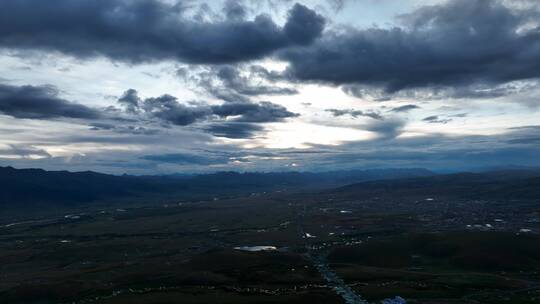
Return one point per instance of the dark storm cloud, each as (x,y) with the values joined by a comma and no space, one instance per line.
(449,45)
(167,108)
(241,118)
(353,113)
(40,102)
(244,119)
(251,112)
(235,130)
(436,119)
(143,30)
(130,100)
(405,108)
(303,25)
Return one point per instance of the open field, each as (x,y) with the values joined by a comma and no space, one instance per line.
(426,250)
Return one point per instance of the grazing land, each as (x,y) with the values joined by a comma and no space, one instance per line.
(358,244)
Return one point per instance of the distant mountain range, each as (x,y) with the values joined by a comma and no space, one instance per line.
(34,188)
(498,185)
(28,187)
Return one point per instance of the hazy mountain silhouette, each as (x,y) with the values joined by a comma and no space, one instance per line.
(502,184)
(37,186)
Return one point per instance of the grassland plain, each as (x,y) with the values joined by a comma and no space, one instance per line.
(423,250)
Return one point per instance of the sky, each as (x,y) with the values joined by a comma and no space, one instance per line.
(166,86)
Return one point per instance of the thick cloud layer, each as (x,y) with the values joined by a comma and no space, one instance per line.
(251,112)
(452,44)
(143,30)
(229,63)
(167,108)
(235,130)
(130,100)
(40,102)
(233,120)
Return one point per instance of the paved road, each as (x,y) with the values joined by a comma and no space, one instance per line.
(319,261)
(338,285)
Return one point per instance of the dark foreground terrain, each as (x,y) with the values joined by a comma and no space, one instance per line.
(466,238)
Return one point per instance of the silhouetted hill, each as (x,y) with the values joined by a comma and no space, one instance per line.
(37,186)
(509,184)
